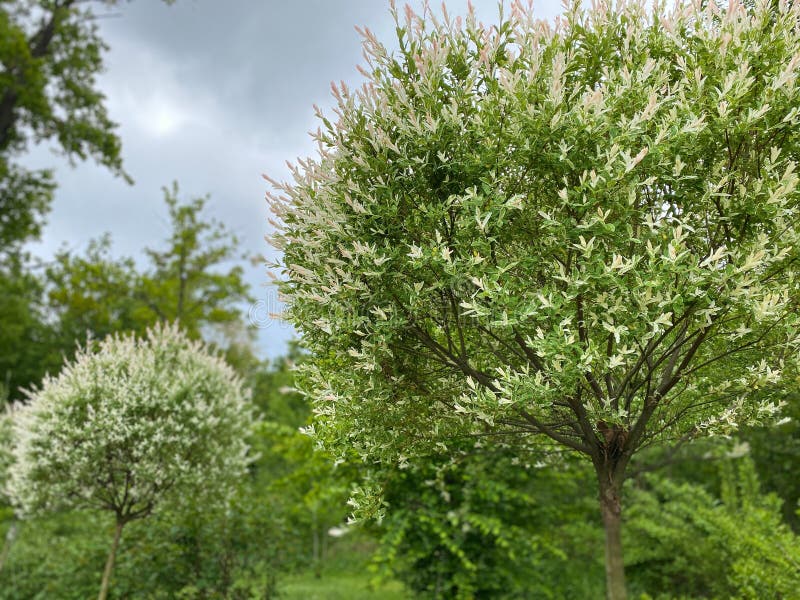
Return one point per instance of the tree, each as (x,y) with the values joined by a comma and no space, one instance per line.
(50,53)
(186,283)
(582,236)
(95,294)
(190,278)
(274,395)
(122,428)
(776,453)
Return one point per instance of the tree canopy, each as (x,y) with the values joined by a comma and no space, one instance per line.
(584,234)
(151,415)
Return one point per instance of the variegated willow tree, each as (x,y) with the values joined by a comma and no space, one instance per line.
(126,427)
(582,235)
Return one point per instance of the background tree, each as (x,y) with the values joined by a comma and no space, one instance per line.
(193,278)
(51,54)
(93,294)
(186,283)
(121,428)
(776,453)
(47,312)
(244,548)
(274,394)
(96,292)
(25,336)
(585,234)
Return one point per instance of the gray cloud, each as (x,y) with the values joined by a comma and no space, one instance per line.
(213,94)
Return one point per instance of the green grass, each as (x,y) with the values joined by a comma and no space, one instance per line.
(345,586)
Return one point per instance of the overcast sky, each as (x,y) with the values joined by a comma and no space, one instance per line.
(212,94)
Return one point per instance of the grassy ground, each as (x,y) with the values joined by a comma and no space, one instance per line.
(344,586)
(345,575)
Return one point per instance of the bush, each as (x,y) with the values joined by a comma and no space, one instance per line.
(682,540)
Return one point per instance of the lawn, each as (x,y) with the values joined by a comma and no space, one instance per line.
(345,586)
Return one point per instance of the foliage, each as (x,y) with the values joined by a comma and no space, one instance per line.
(509,231)
(56,556)
(123,426)
(25,337)
(94,294)
(187,280)
(208,551)
(485,525)
(274,394)
(127,426)
(307,488)
(239,550)
(185,283)
(776,453)
(25,197)
(682,541)
(190,279)
(646,248)
(51,54)
(5,446)
(185,550)
(586,232)
(167,556)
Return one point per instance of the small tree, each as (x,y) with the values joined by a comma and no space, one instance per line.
(123,427)
(195,279)
(584,234)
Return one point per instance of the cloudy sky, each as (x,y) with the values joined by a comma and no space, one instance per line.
(212,94)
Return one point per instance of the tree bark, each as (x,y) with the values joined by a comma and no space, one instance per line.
(611,510)
(112,555)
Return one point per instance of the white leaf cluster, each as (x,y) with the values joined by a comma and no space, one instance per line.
(535,228)
(128,423)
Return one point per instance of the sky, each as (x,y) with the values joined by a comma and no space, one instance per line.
(212,95)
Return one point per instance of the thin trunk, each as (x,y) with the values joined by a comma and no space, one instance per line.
(315,544)
(182,277)
(112,555)
(10,536)
(611,509)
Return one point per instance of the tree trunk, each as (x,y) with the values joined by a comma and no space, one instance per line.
(10,536)
(611,509)
(112,555)
(315,545)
